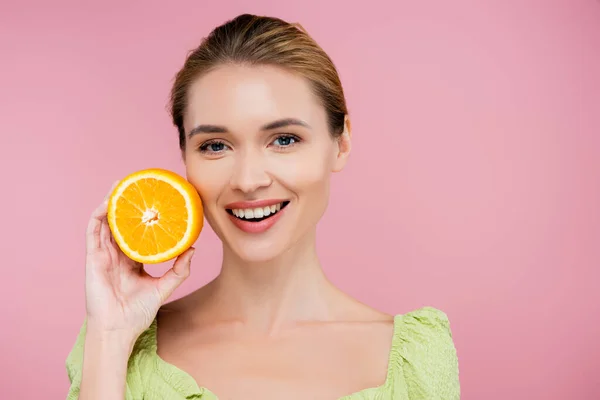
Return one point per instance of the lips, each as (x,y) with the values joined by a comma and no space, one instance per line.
(256,216)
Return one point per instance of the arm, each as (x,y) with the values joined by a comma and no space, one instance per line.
(104,368)
(121,303)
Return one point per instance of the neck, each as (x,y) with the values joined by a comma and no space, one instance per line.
(266,295)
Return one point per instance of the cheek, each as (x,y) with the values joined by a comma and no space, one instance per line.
(208,177)
(306,170)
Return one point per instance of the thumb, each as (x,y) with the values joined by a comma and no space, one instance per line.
(176,275)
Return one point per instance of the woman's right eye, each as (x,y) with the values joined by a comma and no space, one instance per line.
(213,146)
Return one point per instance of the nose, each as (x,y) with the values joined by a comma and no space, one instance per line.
(249,173)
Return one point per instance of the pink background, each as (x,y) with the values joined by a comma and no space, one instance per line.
(474,184)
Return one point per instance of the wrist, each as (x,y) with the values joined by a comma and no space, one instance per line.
(105,363)
(110,340)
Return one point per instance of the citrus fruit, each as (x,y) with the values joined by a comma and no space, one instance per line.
(154,215)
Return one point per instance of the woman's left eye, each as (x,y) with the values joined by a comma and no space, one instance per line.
(285,140)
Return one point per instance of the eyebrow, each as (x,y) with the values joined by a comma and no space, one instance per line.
(280,123)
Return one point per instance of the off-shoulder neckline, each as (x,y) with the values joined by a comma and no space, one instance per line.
(183,382)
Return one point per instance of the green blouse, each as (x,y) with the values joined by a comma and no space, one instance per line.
(423,365)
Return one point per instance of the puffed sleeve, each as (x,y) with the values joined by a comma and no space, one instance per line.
(74,364)
(429,358)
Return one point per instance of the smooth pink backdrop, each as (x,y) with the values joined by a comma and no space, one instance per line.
(474,183)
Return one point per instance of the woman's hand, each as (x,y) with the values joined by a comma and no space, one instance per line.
(121,298)
(121,302)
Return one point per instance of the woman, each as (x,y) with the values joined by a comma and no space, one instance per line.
(262,124)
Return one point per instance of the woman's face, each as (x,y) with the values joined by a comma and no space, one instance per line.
(259,152)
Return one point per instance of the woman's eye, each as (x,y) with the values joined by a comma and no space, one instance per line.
(212,147)
(215,146)
(285,141)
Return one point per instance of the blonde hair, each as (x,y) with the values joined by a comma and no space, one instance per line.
(259,40)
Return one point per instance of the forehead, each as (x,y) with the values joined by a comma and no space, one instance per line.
(234,95)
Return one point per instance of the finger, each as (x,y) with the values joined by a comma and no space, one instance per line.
(176,275)
(94,228)
(105,232)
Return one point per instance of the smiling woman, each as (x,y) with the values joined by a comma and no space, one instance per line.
(262,124)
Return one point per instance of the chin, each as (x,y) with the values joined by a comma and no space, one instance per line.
(261,241)
(254,251)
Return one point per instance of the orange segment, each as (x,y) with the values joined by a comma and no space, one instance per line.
(155,215)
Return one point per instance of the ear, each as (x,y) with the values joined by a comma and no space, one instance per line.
(344,145)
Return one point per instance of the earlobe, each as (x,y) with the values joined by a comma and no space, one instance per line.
(344,146)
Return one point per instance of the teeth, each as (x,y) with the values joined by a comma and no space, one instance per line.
(249,213)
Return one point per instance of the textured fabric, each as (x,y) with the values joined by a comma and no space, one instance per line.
(423,365)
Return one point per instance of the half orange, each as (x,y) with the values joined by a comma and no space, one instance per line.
(154,215)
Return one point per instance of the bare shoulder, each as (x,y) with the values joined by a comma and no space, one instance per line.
(177,319)
(186,305)
(366,315)
(365,324)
